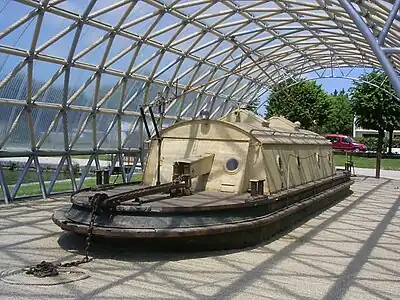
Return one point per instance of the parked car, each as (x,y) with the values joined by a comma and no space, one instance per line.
(345,143)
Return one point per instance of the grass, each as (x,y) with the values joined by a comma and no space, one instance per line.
(369,162)
(30,189)
(105,157)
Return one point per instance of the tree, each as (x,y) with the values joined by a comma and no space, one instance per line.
(340,114)
(253,105)
(375,107)
(304,101)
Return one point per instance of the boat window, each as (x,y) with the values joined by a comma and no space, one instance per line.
(279,161)
(298,161)
(232,164)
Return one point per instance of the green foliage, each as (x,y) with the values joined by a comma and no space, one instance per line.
(340,114)
(372,142)
(253,105)
(374,106)
(304,101)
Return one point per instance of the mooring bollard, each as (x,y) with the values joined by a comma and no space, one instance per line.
(106,176)
(99,177)
(253,187)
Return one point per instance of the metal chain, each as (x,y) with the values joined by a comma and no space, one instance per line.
(46,269)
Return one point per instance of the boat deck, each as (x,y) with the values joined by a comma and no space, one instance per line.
(350,251)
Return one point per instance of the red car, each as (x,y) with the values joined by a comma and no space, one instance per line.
(345,143)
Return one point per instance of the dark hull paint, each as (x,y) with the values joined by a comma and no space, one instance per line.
(236,226)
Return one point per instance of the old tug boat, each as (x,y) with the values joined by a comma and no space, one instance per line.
(227,183)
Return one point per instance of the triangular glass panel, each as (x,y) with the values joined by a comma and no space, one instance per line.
(154,91)
(55,139)
(107,131)
(229,29)
(234,59)
(107,83)
(119,45)
(12,12)
(8,114)
(95,56)
(61,47)
(182,103)
(76,6)
(20,37)
(77,79)
(142,27)
(29,181)
(215,103)
(111,17)
(76,121)
(20,137)
(84,98)
(207,16)
(167,67)
(188,63)
(131,135)
(87,176)
(246,32)
(114,100)
(42,73)
(42,119)
(203,77)
(206,44)
(54,93)
(148,68)
(88,37)
(134,94)
(230,86)
(145,52)
(166,37)
(191,102)
(123,62)
(190,10)
(57,176)
(140,10)
(166,21)
(54,25)
(194,74)
(222,51)
(181,42)
(16,86)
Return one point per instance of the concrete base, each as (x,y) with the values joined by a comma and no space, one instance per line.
(350,251)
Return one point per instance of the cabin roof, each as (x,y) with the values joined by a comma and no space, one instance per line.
(276,130)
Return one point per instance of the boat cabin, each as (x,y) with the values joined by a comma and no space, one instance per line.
(239,151)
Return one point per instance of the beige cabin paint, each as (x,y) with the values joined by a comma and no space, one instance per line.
(258,145)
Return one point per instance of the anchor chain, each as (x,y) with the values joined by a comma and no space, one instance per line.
(48,269)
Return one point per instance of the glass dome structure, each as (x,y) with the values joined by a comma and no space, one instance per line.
(74,74)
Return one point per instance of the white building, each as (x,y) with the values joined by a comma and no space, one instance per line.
(361,132)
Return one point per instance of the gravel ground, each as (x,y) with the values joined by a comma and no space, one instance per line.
(350,251)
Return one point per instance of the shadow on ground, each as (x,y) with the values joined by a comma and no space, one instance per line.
(149,250)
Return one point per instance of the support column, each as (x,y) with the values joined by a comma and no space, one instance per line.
(373,43)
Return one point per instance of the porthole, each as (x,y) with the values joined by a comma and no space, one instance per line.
(279,162)
(232,165)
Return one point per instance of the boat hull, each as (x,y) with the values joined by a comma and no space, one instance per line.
(235,224)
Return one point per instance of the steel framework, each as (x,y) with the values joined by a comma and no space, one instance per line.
(73,74)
